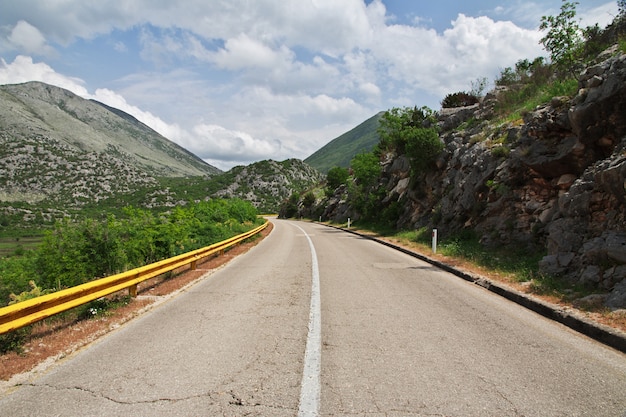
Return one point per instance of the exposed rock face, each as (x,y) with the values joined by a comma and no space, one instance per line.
(587,235)
(268,183)
(556,180)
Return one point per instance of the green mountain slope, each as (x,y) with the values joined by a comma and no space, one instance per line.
(341,150)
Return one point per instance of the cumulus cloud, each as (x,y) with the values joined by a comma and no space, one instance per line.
(244,52)
(27,38)
(23,69)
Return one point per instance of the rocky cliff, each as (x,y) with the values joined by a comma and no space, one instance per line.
(555,179)
(266,184)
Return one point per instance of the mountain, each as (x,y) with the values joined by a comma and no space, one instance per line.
(267,183)
(340,151)
(59,147)
(61,155)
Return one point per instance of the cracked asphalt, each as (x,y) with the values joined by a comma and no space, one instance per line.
(399,338)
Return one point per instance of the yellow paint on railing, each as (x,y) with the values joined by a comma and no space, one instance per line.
(21,314)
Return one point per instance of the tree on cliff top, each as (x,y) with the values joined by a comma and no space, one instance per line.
(564,38)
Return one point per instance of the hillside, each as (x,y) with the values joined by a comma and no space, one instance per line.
(340,151)
(267,183)
(63,155)
(58,147)
(34,110)
(549,181)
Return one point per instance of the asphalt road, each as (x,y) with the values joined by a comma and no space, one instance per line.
(394,337)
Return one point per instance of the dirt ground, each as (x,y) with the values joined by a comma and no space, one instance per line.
(51,342)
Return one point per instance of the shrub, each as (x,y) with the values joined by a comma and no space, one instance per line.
(13,341)
(460,99)
(423,146)
(308,200)
(336,177)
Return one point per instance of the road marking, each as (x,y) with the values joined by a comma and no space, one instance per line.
(310,387)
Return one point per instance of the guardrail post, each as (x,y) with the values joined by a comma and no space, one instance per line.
(193,265)
(132,291)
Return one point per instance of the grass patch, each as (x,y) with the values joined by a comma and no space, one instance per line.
(513,104)
(520,265)
(17,245)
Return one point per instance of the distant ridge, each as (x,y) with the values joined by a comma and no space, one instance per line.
(65,151)
(341,150)
(35,111)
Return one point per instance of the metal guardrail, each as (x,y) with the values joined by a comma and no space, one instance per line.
(26,312)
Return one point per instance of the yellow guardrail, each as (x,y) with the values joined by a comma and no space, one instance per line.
(30,311)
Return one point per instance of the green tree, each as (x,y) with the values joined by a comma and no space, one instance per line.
(336,177)
(308,200)
(395,121)
(364,192)
(411,131)
(290,207)
(564,38)
(366,168)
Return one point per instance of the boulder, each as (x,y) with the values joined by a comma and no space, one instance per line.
(617,297)
(451,118)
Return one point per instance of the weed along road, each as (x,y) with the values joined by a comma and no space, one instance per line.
(317,321)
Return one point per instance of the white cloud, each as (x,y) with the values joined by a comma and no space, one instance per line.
(27,38)
(448,62)
(244,52)
(120,47)
(602,15)
(23,69)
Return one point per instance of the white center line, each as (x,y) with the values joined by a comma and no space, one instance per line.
(310,387)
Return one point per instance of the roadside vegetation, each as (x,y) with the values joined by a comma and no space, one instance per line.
(75,252)
(412,131)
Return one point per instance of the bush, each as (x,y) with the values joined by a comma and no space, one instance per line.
(76,252)
(460,99)
(423,146)
(308,200)
(13,341)
(336,177)
(290,207)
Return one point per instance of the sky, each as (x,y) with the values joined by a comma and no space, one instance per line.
(239,81)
